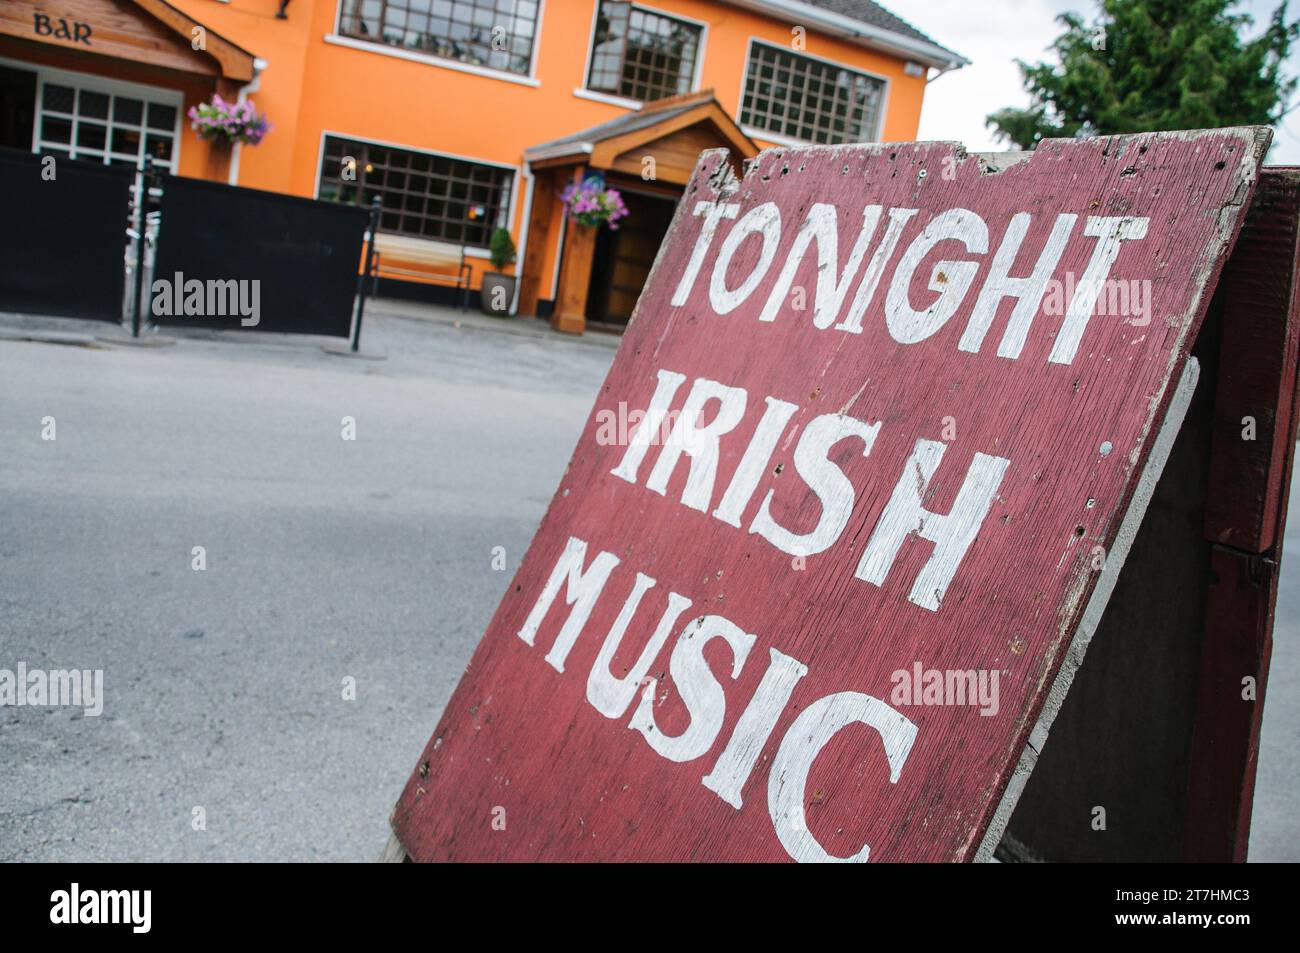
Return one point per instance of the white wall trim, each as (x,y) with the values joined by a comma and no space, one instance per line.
(396,52)
(553,297)
(772,137)
(525,224)
(514,77)
(535,53)
(597,97)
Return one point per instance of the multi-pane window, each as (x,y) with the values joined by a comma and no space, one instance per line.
(497,34)
(105,127)
(805,98)
(640,54)
(421,194)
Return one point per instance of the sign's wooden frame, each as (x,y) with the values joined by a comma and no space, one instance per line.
(1156,702)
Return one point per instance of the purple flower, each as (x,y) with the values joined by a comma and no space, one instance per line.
(233,122)
(589,203)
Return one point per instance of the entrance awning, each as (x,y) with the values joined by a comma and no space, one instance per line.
(673,131)
(656,146)
(151,33)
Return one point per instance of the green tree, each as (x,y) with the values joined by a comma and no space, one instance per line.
(1151,65)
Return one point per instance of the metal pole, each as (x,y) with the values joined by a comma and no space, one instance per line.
(142,225)
(363,283)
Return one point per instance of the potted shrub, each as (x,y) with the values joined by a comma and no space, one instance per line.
(498,288)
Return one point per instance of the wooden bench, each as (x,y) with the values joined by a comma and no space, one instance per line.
(403,258)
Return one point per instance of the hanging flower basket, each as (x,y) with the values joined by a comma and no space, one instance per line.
(220,121)
(592,204)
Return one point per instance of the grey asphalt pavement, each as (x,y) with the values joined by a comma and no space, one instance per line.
(327,560)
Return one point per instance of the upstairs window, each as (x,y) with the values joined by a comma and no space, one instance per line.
(421,194)
(641,54)
(496,34)
(809,99)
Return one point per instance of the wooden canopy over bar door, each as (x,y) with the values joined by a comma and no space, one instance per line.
(659,144)
(156,40)
(150,32)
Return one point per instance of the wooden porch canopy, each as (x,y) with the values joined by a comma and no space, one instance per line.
(151,33)
(654,148)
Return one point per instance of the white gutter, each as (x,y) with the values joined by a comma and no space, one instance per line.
(864,34)
(259,65)
(521,252)
(576,148)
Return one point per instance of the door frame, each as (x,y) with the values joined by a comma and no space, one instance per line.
(600,285)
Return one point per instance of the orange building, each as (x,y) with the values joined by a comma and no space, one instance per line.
(464,116)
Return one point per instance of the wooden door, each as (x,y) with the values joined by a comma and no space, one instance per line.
(624,258)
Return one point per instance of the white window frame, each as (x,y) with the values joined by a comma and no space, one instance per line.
(755,132)
(338,38)
(586,92)
(111,87)
(471,251)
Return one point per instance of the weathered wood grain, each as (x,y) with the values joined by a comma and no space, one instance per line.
(1121,741)
(1246,510)
(1225,742)
(524,766)
(146,31)
(1156,730)
(1254,426)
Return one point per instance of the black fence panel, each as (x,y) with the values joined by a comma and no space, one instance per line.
(63,240)
(244,259)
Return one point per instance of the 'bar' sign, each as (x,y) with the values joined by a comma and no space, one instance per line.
(864,470)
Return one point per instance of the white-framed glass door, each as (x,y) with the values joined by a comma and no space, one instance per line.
(87,117)
(83,116)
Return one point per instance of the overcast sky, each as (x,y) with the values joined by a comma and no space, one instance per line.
(995,33)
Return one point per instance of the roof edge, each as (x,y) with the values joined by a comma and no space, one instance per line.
(246,64)
(584,143)
(865,34)
(551,151)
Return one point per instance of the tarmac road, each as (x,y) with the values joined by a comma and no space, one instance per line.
(327,559)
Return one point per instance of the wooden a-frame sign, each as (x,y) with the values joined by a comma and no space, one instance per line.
(895,436)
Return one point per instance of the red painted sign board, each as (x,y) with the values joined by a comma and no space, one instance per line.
(846,510)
